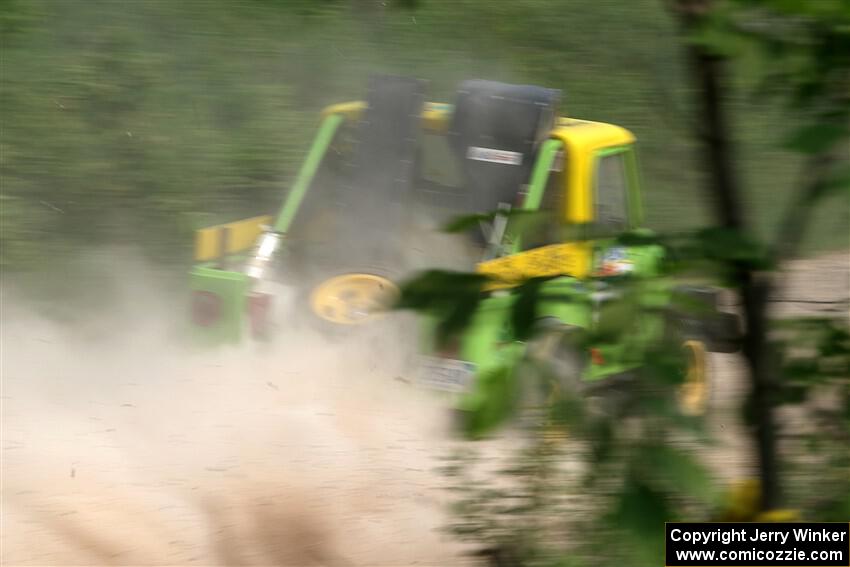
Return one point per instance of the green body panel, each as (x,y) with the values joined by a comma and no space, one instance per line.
(646,259)
(540,174)
(232,288)
(626,326)
(565,299)
(489,328)
(627,323)
(616,357)
(489,343)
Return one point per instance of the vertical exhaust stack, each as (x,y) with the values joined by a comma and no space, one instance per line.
(495,132)
(371,206)
(373,201)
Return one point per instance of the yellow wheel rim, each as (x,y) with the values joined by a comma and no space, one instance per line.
(693,394)
(353,299)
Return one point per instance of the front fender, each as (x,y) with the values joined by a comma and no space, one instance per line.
(567,300)
(491,343)
(493,397)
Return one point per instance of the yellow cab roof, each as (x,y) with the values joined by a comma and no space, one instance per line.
(585,135)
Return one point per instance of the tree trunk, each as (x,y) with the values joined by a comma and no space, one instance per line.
(724,191)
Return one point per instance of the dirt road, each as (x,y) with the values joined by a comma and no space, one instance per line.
(120,448)
(812,287)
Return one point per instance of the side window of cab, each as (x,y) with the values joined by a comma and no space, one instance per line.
(548,228)
(611,192)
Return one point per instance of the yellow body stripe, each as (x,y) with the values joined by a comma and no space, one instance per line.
(571,259)
(241,235)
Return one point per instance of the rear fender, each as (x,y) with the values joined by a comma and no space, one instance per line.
(219,300)
(566,300)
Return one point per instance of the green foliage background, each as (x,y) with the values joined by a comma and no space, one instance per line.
(139,121)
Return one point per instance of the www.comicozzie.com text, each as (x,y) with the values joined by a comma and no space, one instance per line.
(756,534)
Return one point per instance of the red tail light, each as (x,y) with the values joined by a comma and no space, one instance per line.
(596,356)
(206,308)
(259,309)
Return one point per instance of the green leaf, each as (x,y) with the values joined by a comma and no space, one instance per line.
(837,511)
(469,222)
(639,237)
(567,561)
(837,182)
(732,246)
(748,410)
(816,138)
(678,471)
(524,311)
(641,509)
(439,288)
(459,316)
(717,41)
(568,412)
(793,394)
(690,304)
(664,365)
(601,433)
(581,232)
(451,297)
(494,403)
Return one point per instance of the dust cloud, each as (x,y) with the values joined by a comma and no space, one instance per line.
(124,446)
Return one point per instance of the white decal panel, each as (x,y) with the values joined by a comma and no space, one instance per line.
(492,155)
(445,374)
(614,262)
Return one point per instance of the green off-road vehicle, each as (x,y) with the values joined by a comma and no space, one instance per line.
(347,230)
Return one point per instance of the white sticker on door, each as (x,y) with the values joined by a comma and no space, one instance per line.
(494,156)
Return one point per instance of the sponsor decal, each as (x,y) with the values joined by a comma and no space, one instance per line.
(494,156)
(614,262)
(446,374)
